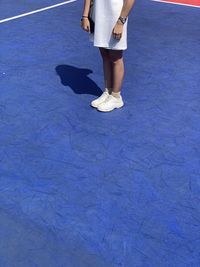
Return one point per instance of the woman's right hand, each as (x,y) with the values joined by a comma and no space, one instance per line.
(85,24)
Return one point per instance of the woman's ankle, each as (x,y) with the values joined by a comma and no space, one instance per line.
(116,94)
(108,90)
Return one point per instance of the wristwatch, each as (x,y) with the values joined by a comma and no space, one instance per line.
(122,20)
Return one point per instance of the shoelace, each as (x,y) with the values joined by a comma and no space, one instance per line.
(108,98)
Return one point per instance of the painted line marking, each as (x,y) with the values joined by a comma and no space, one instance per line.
(37,11)
(180,4)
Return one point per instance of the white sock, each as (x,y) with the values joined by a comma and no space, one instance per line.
(117,95)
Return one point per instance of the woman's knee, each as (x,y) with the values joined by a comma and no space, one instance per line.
(104,53)
(115,56)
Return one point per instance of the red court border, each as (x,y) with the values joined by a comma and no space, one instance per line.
(187,2)
(194,3)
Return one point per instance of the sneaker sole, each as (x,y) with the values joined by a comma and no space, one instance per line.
(94,106)
(107,110)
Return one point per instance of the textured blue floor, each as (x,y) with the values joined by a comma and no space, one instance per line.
(79,188)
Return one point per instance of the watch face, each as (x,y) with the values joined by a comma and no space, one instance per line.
(123,20)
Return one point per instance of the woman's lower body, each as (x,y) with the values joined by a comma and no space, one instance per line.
(106,13)
(113,67)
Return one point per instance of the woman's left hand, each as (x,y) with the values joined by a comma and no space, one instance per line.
(117,31)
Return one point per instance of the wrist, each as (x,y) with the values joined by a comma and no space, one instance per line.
(120,23)
(121,20)
(84,18)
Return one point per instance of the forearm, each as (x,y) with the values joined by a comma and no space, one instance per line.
(86,7)
(128,4)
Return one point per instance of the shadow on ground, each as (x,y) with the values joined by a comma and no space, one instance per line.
(77,79)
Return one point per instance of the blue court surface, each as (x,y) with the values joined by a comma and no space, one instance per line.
(81,188)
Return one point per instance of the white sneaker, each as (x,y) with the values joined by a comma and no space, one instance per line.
(111,103)
(95,103)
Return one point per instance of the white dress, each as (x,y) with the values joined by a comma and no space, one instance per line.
(105,16)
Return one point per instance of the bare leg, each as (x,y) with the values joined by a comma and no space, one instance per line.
(107,68)
(117,69)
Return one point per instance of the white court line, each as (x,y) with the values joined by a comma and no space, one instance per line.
(37,11)
(180,4)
